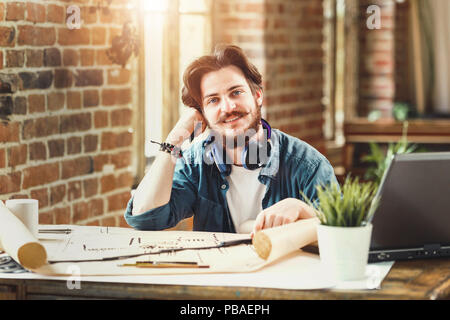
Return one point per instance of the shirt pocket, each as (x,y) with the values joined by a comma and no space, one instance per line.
(208,216)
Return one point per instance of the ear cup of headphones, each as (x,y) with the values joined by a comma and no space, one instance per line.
(221,164)
(256,155)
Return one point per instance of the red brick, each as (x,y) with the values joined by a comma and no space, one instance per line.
(2,12)
(10,182)
(19,196)
(113,33)
(73,145)
(125,180)
(93,223)
(98,36)
(36,36)
(73,99)
(70,57)
(112,97)
(108,141)
(55,101)
(17,155)
(41,195)
(100,161)
(102,58)
(75,122)
(56,148)
(121,117)
(108,183)
(90,187)
(87,57)
(9,132)
(46,217)
(121,159)
(38,151)
(68,36)
(55,13)
(7,37)
(62,215)
(1,59)
(76,167)
(35,12)
(14,58)
(95,207)
(74,190)
(80,212)
(124,139)
(40,175)
(36,103)
(90,143)
(41,127)
(118,201)
(2,158)
(57,194)
(90,98)
(118,76)
(15,11)
(101,119)
(88,77)
(63,78)
(35,58)
(108,222)
(123,223)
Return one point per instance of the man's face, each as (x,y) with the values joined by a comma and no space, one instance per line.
(229,106)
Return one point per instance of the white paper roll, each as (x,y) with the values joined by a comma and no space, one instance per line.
(27,210)
(274,243)
(17,241)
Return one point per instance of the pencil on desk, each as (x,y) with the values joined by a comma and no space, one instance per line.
(164,264)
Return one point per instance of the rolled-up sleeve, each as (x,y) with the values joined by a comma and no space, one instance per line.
(180,206)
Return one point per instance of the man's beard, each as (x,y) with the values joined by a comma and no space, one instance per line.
(242,136)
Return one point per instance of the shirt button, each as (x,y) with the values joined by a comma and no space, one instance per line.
(224,186)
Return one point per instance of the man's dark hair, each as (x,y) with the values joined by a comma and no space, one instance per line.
(223,56)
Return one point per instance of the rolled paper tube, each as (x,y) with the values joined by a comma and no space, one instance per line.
(27,210)
(17,241)
(274,243)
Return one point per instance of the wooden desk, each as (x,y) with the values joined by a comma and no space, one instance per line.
(419,279)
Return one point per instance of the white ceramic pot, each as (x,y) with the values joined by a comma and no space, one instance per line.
(344,251)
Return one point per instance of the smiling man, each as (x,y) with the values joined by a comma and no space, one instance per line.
(245,176)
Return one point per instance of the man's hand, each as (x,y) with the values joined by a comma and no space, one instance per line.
(283,212)
(185,126)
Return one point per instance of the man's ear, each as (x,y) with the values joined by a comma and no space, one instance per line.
(259,96)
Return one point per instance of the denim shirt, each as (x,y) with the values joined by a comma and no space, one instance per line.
(199,188)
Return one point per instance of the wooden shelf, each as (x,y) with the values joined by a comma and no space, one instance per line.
(363,131)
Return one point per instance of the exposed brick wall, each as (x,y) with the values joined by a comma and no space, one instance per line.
(65,111)
(377,60)
(284,40)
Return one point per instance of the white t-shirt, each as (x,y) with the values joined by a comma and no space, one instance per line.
(244,197)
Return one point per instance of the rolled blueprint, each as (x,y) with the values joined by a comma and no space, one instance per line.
(17,241)
(273,243)
(27,210)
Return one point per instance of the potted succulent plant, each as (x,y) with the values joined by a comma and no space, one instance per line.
(345,231)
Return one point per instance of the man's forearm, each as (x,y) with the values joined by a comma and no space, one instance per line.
(155,188)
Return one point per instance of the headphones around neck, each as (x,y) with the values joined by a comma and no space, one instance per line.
(255,155)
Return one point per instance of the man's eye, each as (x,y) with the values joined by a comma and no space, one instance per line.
(212,100)
(236,92)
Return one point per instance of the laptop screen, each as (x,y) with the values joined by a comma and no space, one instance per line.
(414,208)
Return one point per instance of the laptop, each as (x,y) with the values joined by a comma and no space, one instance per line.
(412,220)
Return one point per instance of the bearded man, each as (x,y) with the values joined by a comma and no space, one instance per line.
(245,176)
